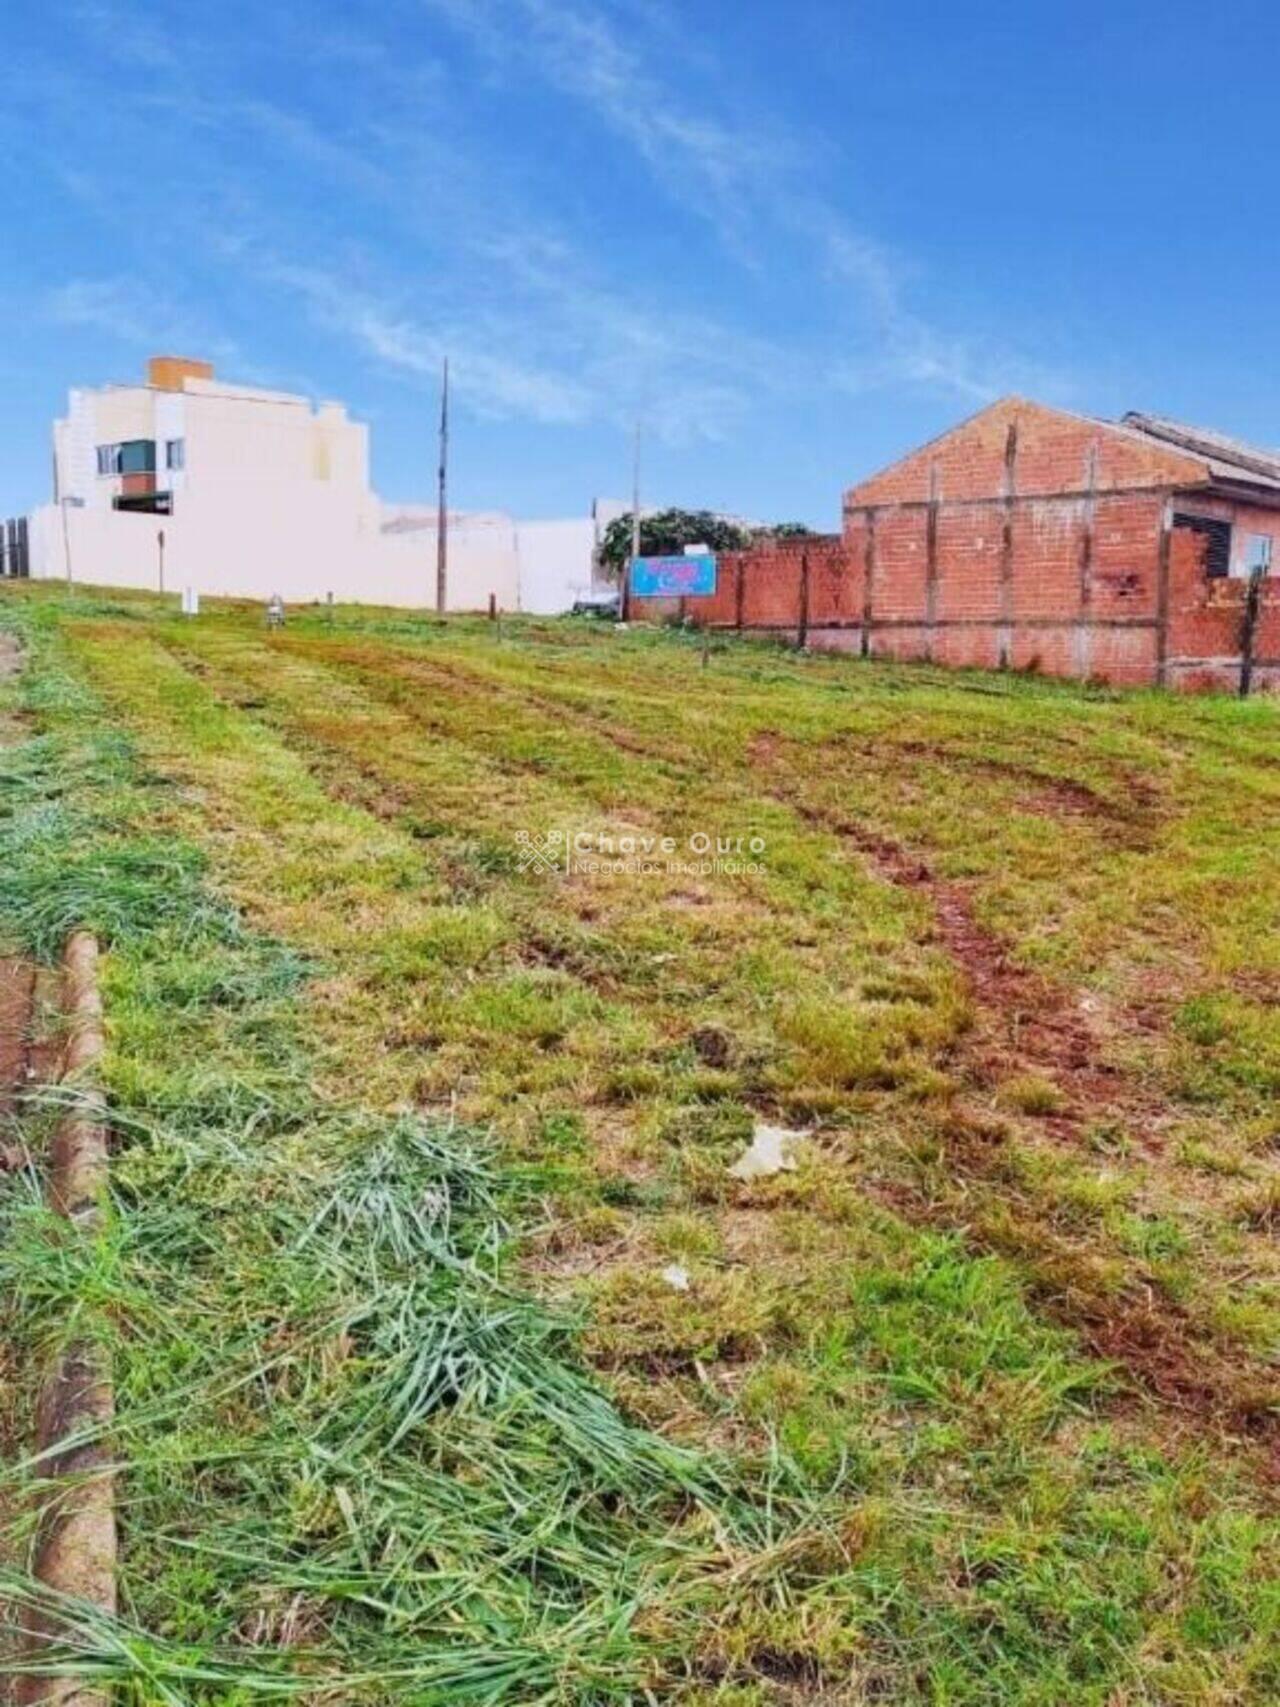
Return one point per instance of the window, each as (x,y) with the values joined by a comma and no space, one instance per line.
(1217,543)
(175,453)
(134,456)
(1255,554)
(137,456)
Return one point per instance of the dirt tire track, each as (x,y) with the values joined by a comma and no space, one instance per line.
(1023,1022)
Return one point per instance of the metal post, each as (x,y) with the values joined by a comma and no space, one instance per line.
(160,550)
(66,546)
(442,513)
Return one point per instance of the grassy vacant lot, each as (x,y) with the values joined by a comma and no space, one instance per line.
(980,1403)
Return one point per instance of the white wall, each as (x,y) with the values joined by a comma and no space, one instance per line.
(481,561)
(252,552)
(275,498)
(103,550)
(555,563)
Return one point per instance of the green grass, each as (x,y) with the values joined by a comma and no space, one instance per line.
(407,1137)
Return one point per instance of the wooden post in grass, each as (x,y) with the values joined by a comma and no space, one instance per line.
(75,1554)
(1249,628)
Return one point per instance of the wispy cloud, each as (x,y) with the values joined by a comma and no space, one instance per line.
(715,168)
(602,358)
(492,383)
(408,234)
(751,182)
(130,312)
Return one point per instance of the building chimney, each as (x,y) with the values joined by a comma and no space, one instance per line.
(171,373)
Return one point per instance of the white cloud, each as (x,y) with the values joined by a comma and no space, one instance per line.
(603,361)
(714,168)
(402,225)
(128,310)
(492,383)
(751,183)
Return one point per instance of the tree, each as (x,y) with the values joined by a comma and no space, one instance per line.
(665,533)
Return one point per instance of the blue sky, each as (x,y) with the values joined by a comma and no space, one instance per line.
(796,238)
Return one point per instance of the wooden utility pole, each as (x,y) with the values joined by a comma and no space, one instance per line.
(442,513)
(625,610)
(635,497)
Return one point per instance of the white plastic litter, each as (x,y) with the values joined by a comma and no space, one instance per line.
(771,1151)
(676,1277)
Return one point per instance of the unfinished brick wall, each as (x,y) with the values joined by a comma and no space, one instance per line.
(1206,616)
(1024,538)
(1023,447)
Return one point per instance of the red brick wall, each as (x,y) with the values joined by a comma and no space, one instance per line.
(1126,555)
(970,553)
(771,588)
(837,584)
(898,580)
(1053,453)
(1206,616)
(1024,537)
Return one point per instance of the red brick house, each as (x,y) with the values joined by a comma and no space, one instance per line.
(1036,539)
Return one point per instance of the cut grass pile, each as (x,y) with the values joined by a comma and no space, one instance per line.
(408,1137)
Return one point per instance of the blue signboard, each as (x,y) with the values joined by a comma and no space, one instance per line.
(674,577)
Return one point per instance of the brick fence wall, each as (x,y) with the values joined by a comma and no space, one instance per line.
(1022,539)
(1022,585)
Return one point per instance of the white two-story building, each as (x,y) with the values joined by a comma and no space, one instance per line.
(188,482)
